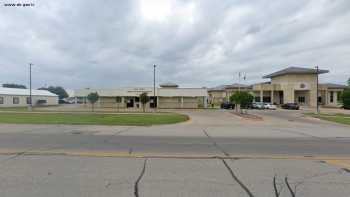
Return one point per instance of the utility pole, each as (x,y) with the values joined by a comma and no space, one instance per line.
(317,107)
(154,87)
(30,87)
(239,81)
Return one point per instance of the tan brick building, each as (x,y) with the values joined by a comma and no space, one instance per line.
(290,85)
(168,95)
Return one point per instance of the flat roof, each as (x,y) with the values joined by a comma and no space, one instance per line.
(295,70)
(136,91)
(334,86)
(232,86)
(24,92)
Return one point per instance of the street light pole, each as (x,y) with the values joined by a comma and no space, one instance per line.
(154,87)
(30,87)
(239,81)
(317,107)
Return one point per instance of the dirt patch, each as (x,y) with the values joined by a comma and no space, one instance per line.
(248,116)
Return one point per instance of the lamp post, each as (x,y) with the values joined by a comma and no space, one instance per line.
(317,106)
(154,87)
(30,87)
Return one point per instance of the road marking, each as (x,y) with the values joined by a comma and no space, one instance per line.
(335,160)
(342,163)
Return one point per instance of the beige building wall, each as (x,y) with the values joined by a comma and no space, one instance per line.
(297,82)
(169,102)
(216,97)
(111,102)
(180,102)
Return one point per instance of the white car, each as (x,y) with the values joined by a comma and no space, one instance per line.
(270,106)
(258,105)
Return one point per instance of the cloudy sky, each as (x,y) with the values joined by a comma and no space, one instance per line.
(90,43)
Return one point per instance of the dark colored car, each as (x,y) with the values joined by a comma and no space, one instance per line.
(290,106)
(227,105)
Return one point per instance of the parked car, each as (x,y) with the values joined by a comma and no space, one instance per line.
(270,106)
(290,106)
(61,101)
(227,105)
(258,105)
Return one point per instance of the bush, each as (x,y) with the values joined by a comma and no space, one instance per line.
(346,99)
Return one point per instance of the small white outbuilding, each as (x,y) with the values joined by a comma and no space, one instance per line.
(15,97)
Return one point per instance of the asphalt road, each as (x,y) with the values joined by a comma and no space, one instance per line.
(209,133)
(164,145)
(214,154)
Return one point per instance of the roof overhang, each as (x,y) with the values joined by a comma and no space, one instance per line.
(296,70)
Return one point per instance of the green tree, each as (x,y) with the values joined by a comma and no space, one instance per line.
(13,85)
(93,98)
(58,90)
(349,82)
(346,98)
(144,99)
(241,100)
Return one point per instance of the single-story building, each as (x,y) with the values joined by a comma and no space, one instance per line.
(15,97)
(168,95)
(290,85)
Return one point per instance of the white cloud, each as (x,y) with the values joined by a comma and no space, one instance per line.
(194,43)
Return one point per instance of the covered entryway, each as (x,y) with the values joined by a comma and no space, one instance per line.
(130,102)
(302,97)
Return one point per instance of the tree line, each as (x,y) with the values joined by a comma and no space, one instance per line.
(58,90)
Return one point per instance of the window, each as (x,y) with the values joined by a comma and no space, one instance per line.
(332,97)
(40,102)
(118,99)
(301,99)
(1,100)
(28,100)
(15,100)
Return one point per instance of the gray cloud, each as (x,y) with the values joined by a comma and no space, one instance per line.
(87,43)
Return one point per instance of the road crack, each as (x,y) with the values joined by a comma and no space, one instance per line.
(244,187)
(291,191)
(215,144)
(137,182)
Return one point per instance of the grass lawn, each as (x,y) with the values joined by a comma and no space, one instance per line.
(14,109)
(339,118)
(92,119)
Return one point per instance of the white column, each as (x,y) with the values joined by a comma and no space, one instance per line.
(123,102)
(182,102)
(261,95)
(99,102)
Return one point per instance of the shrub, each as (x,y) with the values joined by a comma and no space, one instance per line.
(346,99)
